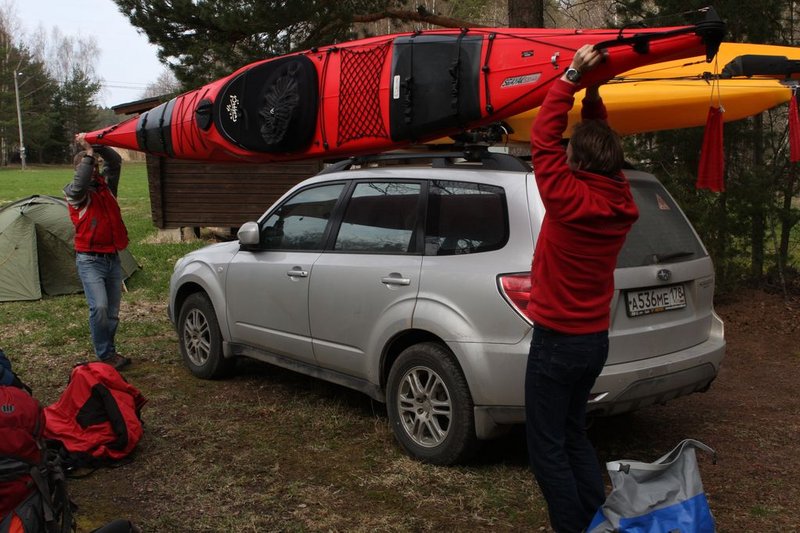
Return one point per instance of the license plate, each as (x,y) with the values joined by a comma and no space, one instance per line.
(655,300)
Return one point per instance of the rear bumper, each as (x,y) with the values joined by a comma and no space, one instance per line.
(628,386)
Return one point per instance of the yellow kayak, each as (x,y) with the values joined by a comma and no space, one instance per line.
(673,94)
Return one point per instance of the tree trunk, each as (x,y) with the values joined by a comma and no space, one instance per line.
(722,243)
(787,220)
(526,13)
(758,207)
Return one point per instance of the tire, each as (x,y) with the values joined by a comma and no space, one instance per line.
(200,338)
(443,436)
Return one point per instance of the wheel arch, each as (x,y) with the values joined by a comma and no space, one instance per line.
(400,342)
(183,292)
(193,286)
(453,442)
(200,337)
(485,426)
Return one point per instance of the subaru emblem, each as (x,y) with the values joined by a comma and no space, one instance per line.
(664,274)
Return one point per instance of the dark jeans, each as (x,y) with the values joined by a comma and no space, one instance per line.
(561,371)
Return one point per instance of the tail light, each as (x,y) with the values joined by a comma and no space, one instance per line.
(516,288)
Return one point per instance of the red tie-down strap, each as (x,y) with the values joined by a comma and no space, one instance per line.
(794,129)
(712,155)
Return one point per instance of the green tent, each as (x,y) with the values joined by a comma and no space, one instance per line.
(36,250)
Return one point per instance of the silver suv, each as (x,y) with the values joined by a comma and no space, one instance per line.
(408,280)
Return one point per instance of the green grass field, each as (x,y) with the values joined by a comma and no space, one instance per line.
(60,322)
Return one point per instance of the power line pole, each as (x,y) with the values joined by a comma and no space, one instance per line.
(19,119)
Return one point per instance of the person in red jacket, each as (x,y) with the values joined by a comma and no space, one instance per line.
(100,235)
(589,211)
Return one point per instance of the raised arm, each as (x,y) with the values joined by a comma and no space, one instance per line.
(592,107)
(560,190)
(112,166)
(77,190)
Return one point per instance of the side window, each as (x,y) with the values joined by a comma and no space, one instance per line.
(380,218)
(300,222)
(465,218)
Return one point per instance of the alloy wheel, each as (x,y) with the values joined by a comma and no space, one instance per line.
(424,406)
(197,337)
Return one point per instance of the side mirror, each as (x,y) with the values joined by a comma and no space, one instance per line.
(249,234)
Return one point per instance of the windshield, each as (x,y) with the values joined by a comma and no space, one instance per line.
(662,234)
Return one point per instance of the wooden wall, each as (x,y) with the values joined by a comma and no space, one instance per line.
(199,194)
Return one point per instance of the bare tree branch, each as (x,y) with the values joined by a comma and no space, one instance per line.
(421,15)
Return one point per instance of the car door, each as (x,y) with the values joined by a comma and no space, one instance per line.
(267,287)
(364,288)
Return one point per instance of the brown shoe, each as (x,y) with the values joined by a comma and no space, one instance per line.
(117,361)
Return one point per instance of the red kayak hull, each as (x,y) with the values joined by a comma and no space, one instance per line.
(382,93)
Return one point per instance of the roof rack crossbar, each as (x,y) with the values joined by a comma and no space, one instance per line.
(478,154)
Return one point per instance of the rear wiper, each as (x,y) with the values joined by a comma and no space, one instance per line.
(661,258)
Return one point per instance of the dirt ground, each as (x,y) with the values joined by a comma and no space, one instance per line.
(269,450)
(750,416)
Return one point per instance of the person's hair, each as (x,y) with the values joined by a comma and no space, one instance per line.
(597,148)
(78,158)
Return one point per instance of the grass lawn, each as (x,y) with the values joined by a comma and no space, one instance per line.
(60,323)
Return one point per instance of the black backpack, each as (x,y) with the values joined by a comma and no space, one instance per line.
(47,509)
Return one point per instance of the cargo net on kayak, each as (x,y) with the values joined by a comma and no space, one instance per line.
(359,102)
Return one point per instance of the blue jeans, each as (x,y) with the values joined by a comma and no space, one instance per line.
(561,372)
(101,276)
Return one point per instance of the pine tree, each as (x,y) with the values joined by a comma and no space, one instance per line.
(742,225)
(205,40)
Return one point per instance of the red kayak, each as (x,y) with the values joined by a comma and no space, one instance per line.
(381,93)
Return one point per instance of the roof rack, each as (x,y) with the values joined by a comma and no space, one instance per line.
(466,158)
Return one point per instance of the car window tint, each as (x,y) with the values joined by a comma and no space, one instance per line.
(380,217)
(662,234)
(300,222)
(465,218)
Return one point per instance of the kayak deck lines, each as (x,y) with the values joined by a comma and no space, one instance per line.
(359,103)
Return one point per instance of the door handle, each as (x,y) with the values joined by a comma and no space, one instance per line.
(297,273)
(395,280)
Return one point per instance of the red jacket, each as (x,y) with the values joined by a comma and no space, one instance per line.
(93,206)
(587,218)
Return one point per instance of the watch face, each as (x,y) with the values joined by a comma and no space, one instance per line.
(573,75)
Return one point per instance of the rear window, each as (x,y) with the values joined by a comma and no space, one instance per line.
(662,234)
(465,218)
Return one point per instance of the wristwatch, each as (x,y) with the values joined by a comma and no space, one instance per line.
(573,75)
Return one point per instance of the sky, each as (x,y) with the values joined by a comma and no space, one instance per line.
(127,64)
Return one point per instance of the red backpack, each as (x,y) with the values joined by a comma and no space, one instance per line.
(33,495)
(98,417)
(21,448)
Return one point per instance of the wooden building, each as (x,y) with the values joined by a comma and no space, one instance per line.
(187,193)
(201,194)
